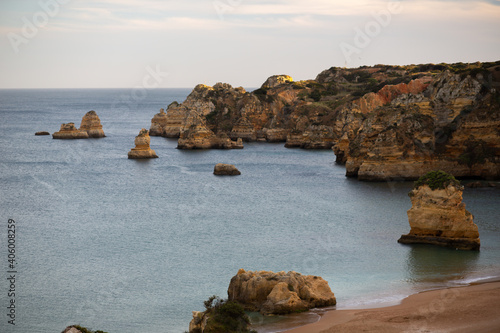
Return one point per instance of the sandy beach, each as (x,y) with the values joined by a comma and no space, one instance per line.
(474,308)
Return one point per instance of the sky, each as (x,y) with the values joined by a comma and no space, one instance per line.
(181,43)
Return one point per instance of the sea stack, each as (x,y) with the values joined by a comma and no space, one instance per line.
(279,293)
(92,125)
(69,131)
(142,149)
(438,215)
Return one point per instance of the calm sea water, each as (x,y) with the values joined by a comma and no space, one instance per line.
(134,246)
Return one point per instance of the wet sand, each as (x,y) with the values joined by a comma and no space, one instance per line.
(474,308)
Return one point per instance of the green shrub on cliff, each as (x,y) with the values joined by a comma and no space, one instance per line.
(436,180)
(225,316)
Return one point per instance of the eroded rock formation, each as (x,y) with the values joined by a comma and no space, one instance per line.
(142,148)
(199,322)
(276,80)
(222,169)
(383,122)
(452,125)
(438,215)
(69,131)
(92,125)
(279,293)
(196,135)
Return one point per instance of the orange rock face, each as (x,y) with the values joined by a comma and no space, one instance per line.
(279,293)
(439,217)
(142,148)
(69,131)
(196,135)
(92,125)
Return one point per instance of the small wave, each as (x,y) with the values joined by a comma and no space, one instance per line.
(468,281)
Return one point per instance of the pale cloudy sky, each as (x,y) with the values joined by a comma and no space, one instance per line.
(180,43)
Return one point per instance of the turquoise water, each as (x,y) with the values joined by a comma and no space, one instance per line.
(134,246)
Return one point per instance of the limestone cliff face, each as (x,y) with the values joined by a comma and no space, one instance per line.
(439,217)
(158,124)
(196,135)
(69,131)
(279,293)
(453,125)
(92,125)
(142,148)
(383,122)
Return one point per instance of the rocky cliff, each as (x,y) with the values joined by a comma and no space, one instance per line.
(142,148)
(92,125)
(196,135)
(452,125)
(383,122)
(438,215)
(279,293)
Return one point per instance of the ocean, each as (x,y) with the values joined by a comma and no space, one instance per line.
(134,246)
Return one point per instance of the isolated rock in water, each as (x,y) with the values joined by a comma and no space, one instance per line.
(42,133)
(275,81)
(69,131)
(92,125)
(142,149)
(438,215)
(279,293)
(222,169)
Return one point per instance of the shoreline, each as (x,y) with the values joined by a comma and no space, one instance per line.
(452,309)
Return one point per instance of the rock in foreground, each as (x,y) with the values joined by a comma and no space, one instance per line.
(222,169)
(142,149)
(69,131)
(438,215)
(279,293)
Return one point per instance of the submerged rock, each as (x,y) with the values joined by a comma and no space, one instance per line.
(92,125)
(279,293)
(69,131)
(142,149)
(438,215)
(222,169)
(42,133)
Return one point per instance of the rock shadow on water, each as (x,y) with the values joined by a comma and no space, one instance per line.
(436,265)
(280,323)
